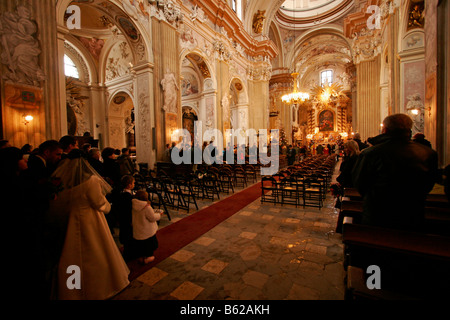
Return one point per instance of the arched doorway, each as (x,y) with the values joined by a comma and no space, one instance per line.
(121,124)
(189,119)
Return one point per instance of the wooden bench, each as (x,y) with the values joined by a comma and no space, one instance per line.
(413,265)
(349,208)
(437,211)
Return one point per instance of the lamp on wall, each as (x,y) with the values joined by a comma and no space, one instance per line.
(26,118)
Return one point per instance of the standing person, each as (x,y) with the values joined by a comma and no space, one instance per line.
(27,149)
(5,144)
(44,162)
(144,227)
(420,138)
(27,247)
(351,153)
(67,143)
(326,150)
(111,168)
(319,149)
(361,145)
(291,155)
(167,153)
(122,206)
(394,176)
(94,160)
(125,163)
(87,244)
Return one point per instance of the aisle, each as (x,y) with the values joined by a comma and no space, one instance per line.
(263,252)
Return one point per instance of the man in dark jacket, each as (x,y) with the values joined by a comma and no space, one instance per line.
(394,176)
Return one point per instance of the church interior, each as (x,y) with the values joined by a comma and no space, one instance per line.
(135,73)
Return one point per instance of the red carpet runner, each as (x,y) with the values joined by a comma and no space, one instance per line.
(179,234)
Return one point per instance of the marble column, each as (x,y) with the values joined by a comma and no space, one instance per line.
(165,50)
(430,28)
(258,109)
(368,118)
(144,117)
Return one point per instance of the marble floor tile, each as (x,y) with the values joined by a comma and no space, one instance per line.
(187,291)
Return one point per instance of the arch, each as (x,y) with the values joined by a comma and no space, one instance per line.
(203,66)
(121,120)
(239,111)
(86,71)
(120,64)
(278,62)
(115,11)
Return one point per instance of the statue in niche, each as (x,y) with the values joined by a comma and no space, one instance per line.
(416,16)
(21,48)
(77,106)
(170,88)
(258,20)
(415,103)
(129,123)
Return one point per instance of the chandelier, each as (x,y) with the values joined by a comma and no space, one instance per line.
(295,97)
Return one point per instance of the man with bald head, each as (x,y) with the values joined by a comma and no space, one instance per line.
(394,176)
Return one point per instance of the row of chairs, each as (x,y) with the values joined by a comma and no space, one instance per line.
(181,191)
(299,186)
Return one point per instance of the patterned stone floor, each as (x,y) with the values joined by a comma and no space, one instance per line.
(263,252)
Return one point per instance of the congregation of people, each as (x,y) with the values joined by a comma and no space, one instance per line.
(69,202)
(70,199)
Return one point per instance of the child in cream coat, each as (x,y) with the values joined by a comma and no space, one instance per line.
(145,225)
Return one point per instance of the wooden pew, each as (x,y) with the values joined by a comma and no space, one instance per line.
(413,265)
(437,211)
(349,208)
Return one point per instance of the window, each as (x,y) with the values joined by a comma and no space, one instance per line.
(236,5)
(70,69)
(326,77)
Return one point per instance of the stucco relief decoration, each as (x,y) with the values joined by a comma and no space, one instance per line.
(366,44)
(209,113)
(344,80)
(226,110)
(20,48)
(144,125)
(197,14)
(221,51)
(118,61)
(129,122)
(170,88)
(76,102)
(258,21)
(187,39)
(94,46)
(135,9)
